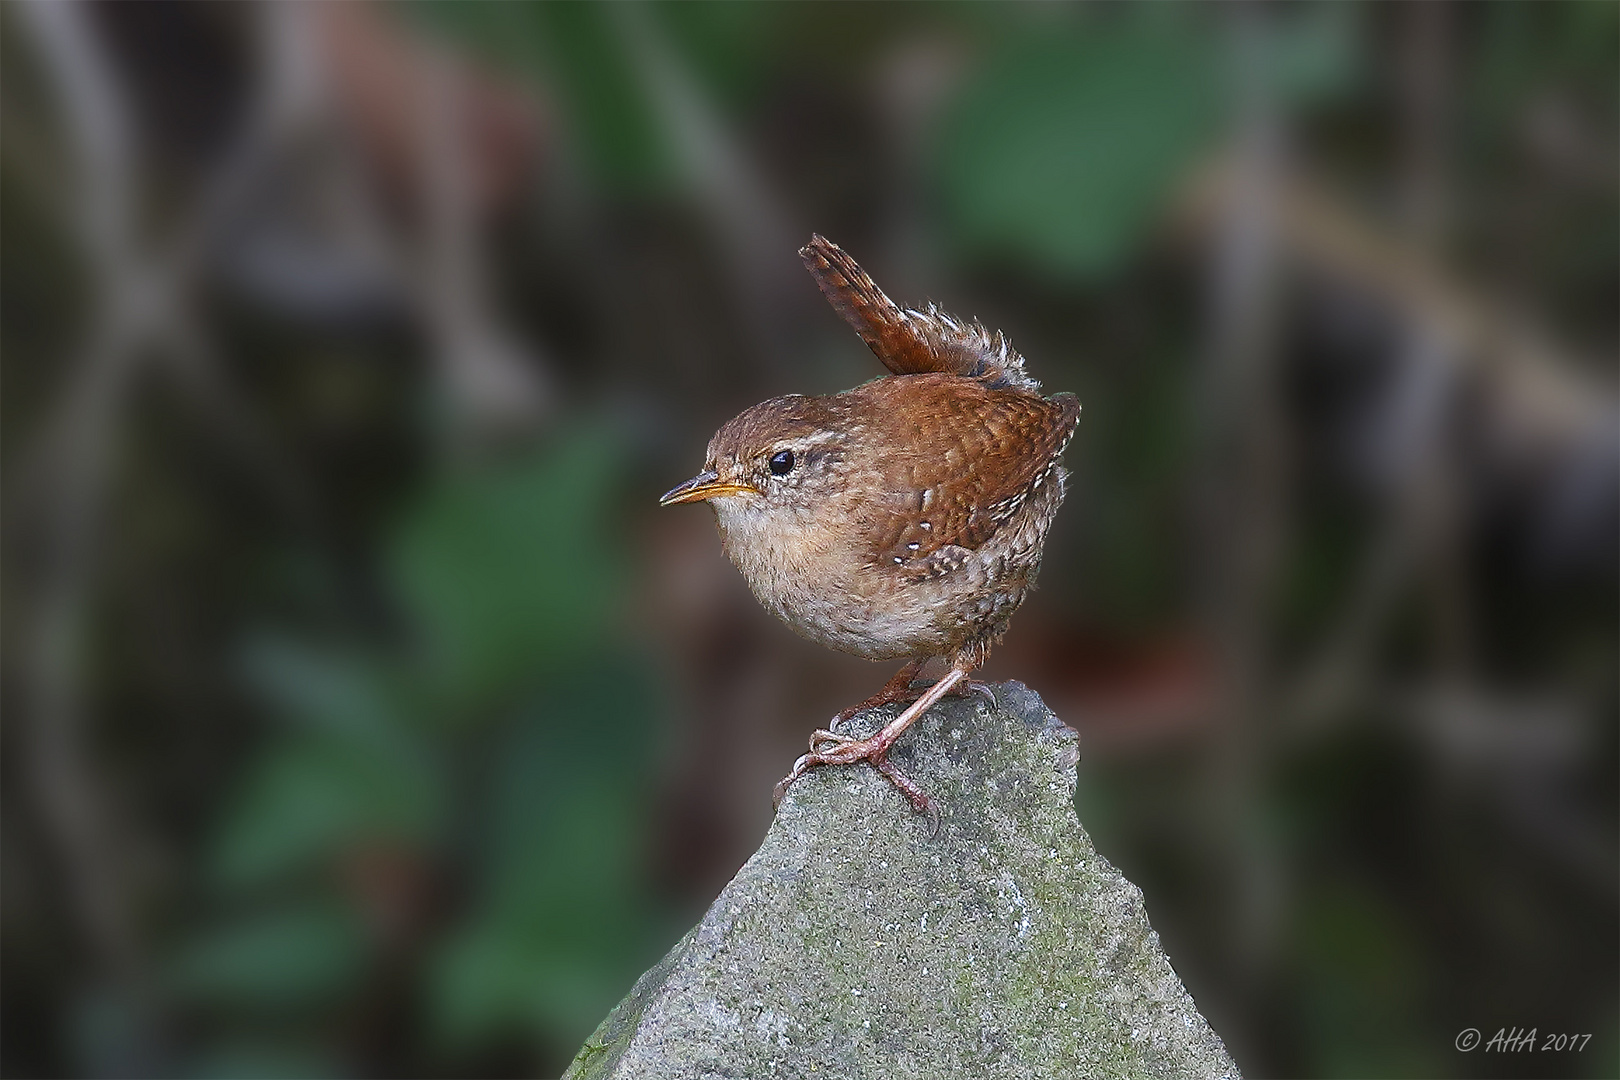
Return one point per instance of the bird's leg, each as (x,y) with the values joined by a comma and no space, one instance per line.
(846,751)
(898,688)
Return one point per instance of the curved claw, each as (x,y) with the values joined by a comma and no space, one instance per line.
(983,688)
(846,751)
(804,764)
(822,736)
(800,767)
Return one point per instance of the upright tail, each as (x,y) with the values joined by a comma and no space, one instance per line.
(907,340)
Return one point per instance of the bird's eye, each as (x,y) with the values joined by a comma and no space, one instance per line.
(781,463)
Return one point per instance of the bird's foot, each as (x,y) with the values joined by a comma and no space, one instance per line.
(830,748)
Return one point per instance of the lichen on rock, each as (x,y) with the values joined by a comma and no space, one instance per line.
(855,944)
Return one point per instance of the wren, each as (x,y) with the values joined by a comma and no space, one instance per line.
(902,519)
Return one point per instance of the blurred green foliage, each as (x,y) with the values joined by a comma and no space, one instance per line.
(1061,148)
(505,725)
(578,52)
(298,956)
(511,576)
(1064,146)
(1070,138)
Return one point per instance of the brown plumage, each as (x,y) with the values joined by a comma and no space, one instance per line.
(903,518)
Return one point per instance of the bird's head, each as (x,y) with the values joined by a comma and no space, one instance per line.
(781,456)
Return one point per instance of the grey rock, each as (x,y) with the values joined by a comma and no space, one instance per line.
(856,944)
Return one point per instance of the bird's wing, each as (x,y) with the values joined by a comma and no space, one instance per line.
(909,341)
(972,457)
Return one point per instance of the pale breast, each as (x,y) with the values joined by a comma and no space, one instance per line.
(878,611)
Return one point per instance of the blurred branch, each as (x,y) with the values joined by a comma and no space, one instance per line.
(1424,520)
(29,161)
(1420,520)
(138,314)
(1243,493)
(139,291)
(78,440)
(1425,88)
(1433,504)
(286,98)
(1553,396)
(759,236)
(1555,388)
(491,383)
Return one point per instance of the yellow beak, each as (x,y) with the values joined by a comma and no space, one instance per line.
(705,485)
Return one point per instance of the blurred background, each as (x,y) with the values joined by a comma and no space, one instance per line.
(363,715)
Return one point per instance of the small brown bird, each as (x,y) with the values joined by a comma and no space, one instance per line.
(903,518)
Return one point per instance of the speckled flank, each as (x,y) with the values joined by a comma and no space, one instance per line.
(852,945)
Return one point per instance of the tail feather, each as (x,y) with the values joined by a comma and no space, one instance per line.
(907,340)
(880,321)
